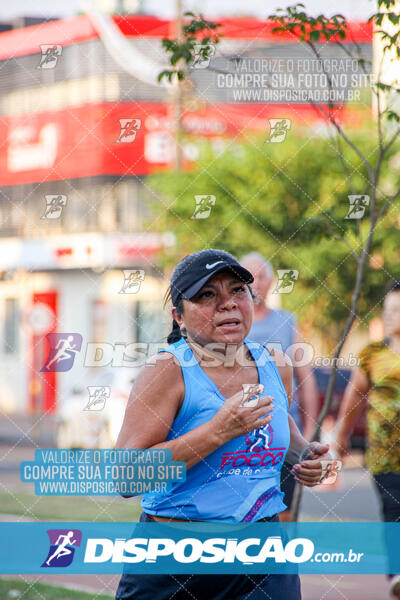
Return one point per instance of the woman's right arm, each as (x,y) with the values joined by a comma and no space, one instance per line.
(154,402)
(354,402)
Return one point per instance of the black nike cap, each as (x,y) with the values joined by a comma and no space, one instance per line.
(196,269)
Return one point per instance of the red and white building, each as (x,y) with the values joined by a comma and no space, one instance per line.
(60,134)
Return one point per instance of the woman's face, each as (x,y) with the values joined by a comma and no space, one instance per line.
(222,311)
(391,313)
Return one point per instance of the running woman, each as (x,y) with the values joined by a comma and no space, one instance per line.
(190,399)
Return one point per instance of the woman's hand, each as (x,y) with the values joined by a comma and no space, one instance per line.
(239,416)
(309,470)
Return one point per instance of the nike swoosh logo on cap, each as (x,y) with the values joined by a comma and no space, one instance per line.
(213,264)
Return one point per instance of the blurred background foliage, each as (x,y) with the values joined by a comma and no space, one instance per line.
(289,201)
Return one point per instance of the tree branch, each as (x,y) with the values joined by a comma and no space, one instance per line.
(349,142)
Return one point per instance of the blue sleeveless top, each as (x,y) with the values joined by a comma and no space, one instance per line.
(240,481)
(277,331)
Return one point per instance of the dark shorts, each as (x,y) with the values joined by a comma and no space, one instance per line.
(288,483)
(208,587)
(388,488)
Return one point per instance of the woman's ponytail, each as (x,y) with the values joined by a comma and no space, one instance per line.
(175,334)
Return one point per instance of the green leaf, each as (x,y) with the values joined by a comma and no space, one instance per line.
(393,18)
(314,36)
(167,74)
(383,86)
(393,116)
(377,18)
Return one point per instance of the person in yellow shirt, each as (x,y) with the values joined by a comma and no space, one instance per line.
(375,384)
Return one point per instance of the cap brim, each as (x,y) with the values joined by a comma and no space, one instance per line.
(242,274)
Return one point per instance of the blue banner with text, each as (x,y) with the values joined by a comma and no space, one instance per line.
(199,547)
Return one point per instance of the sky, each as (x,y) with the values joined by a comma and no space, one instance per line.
(357,10)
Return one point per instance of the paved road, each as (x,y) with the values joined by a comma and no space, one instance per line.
(353,498)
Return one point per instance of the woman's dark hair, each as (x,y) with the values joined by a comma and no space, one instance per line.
(392,286)
(176,333)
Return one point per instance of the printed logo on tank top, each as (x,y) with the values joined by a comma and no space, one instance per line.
(259,453)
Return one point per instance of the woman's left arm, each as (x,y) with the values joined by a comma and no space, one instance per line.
(304,457)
